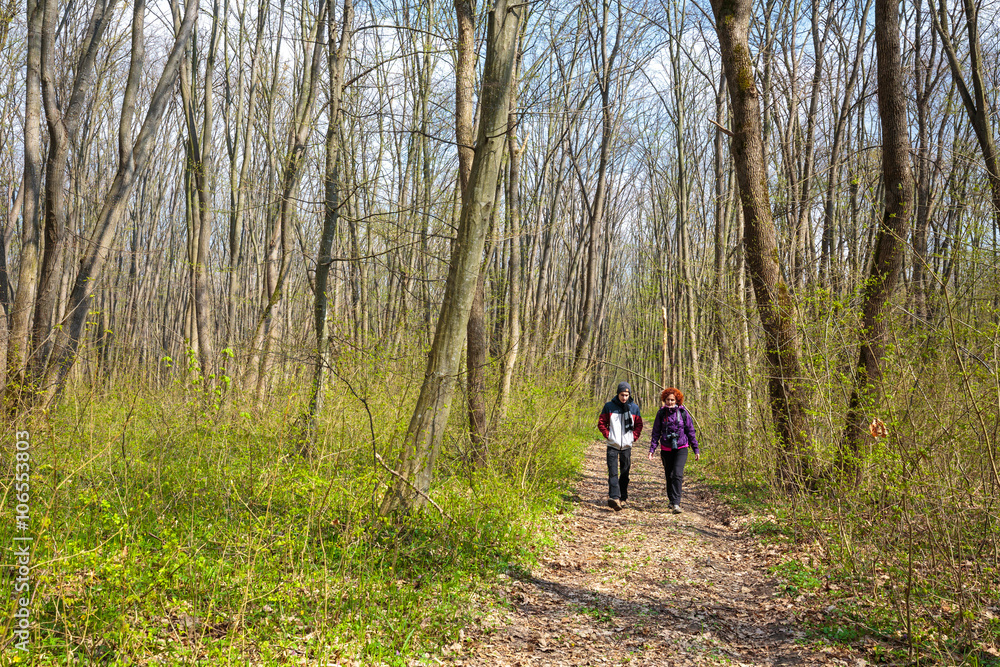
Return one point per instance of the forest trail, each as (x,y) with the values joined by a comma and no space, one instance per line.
(646,587)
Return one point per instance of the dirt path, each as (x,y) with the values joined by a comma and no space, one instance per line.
(647,587)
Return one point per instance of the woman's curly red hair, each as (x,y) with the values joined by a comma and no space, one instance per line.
(672,390)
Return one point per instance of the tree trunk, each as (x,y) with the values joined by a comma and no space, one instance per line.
(280,241)
(785,388)
(606,63)
(721,231)
(802,238)
(976,104)
(476,337)
(926,197)
(63,125)
(337,58)
(833,182)
(27,277)
(890,241)
(70,336)
(199,178)
(424,435)
(513,345)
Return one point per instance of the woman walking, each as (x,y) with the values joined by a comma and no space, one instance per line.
(673,433)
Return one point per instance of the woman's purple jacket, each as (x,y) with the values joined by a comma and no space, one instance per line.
(676,420)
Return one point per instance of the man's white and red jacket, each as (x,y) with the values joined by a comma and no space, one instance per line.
(620,423)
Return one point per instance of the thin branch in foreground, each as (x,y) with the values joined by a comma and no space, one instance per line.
(723,129)
(378,457)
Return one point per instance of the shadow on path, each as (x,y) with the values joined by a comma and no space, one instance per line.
(647,587)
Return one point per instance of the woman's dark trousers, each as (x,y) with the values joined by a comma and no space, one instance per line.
(673,468)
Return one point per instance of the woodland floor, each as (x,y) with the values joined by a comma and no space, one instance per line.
(647,587)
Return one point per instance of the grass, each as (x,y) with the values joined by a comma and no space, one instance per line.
(600,613)
(797,576)
(167,529)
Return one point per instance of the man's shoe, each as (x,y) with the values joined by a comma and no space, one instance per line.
(676,509)
(624,503)
(614,504)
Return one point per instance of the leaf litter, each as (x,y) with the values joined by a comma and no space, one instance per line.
(646,587)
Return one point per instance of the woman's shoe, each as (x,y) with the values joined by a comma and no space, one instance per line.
(676,509)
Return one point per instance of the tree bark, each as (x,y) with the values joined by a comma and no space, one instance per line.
(63,125)
(513,346)
(27,277)
(337,58)
(605,63)
(976,104)
(280,242)
(199,177)
(239,139)
(476,338)
(774,303)
(69,337)
(425,432)
(833,182)
(927,76)
(890,241)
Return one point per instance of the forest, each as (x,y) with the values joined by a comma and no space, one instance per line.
(309,307)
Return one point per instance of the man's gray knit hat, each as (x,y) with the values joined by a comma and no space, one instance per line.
(624,386)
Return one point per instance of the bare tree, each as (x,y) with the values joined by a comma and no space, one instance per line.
(892,232)
(477,346)
(27,279)
(63,125)
(199,179)
(281,238)
(603,61)
(514,223)
(774,302)
(976,105)
(93,257)
(425,432)
(332,187)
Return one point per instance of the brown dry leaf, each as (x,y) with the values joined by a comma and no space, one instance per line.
(648,588)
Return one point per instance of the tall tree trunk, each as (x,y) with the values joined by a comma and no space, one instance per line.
(63,125)
(280,242)
(337,58)
(683,205)
(69,337)
(476,337)
(721,229)
(513,346)
(27,276)
(424,435)
(205,180)
(604,62)
(976,104)
(240,141)
(890,241)
(927,75)
(199,177)
(803,231)
(777,310)
(836,164)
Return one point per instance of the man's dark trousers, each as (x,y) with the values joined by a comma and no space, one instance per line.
(618,481)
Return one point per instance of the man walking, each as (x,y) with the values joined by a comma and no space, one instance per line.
(621,424)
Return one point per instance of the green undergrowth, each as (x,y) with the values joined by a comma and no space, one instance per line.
(896,529)
(170,529)
(904,585)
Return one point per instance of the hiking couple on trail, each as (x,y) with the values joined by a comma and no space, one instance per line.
(673,433)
